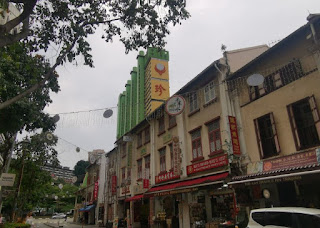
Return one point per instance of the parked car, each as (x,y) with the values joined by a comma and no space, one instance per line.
(59,216)
(281,217)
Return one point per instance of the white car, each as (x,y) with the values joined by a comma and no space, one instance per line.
(284,217)
(59,216)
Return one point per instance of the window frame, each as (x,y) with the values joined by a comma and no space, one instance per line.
(139,169)
(316,119)
(275,135)
(161,125)
(171,156)
(193,102)
(124,150)
(162,160)
(123,174)
(147,135)
(172,123)
(198,142)
(139,139)
(147,166)
(210,87)
(213,132)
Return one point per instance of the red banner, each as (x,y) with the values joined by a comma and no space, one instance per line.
(146,183)
(96,189)
(291,161)
(234,135)
(114,185)
(208,164)
(166,177)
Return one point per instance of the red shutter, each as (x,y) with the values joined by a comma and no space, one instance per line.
(315,113)
(274,131)
(294,127)
(258,137)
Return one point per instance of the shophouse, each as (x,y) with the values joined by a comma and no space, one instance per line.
(173,167)
(278,96)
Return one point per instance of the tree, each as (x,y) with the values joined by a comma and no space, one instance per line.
(80,170)
(31,181)
(66,24)
(19,70)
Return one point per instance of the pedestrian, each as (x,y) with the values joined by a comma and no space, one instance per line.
(29,219)
(1,219)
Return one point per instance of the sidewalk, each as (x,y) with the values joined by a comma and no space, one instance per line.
(68,224)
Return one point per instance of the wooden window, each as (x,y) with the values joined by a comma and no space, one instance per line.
(196,144)
(123,174)
(147,135)
(129,174)
(139,164)
(214,137)
(193,102)
(172,121)
(124,150)
(305,123)
(161,125)
(140,139)
(267,136)
(209,92)
(162,160)
(147,166)
(171,155)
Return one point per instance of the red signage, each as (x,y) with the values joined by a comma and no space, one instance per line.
(176,156)
(114,185)
(291,161)
(96,189)
(146,183)
(234,135)
(166,177)
(208,164)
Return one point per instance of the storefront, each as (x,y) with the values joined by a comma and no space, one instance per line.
(289,181)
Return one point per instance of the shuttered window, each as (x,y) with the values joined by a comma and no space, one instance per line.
(267,136)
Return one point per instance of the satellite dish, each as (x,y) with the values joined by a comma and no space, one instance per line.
(78,149)
(108,113)
(255,80)
(56,118)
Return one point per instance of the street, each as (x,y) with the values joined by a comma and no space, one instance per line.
(55,223)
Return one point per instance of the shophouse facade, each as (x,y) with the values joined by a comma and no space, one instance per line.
(280,122)
(152,192)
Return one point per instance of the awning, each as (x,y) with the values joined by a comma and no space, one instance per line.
(87,208)
(133,198)
(258,178)
(189,183)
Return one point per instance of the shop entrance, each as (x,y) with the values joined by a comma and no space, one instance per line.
(141,212)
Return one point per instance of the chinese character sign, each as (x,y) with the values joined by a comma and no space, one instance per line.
(159,89)
(176,155)
(114,185)
(234,135)
(95,190)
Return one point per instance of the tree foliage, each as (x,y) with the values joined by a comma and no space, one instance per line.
(66,24)
(80,170)
(19,70)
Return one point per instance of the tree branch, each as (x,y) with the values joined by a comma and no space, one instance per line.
(8,39)
(43,81)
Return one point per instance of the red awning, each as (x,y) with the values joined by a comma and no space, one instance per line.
(133,198)
(189,183)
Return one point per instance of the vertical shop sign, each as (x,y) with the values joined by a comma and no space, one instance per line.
(129,162)
(176,155)
(114,185)
(234,135)
(95,190)
(145,183)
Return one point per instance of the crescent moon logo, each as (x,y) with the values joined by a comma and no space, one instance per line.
(160,68)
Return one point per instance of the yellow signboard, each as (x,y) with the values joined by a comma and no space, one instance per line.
(159,69)
(159,89)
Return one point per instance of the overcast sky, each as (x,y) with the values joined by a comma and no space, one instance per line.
(192,46)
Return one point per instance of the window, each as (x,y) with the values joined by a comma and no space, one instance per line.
(193,101)
(124,150)
(214,137)
(129,174)
(281,77)
(267,137)
(161,125)
(139,139)
(147,135)
(172,121)
(147,166)
(196,143)
(123,174)
(304,220)
(162,159)
(139,162)
(305,123)
(209,93)
(171,155)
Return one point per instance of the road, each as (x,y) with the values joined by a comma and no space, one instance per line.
(55,223)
